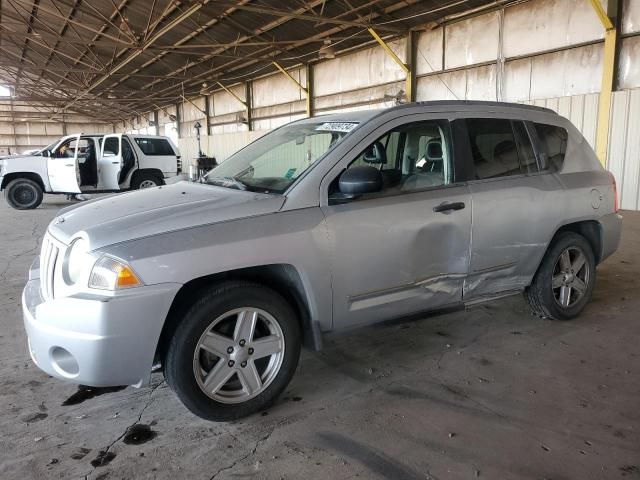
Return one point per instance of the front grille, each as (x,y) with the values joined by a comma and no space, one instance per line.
(48,258)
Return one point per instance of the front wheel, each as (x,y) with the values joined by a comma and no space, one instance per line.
(564,282)
(234,351)
(23,194)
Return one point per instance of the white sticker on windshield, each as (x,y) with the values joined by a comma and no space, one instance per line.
(337,126)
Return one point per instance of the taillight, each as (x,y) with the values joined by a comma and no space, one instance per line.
(616,206)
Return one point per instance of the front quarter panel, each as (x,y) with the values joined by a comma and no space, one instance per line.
(297,238)
(29,164)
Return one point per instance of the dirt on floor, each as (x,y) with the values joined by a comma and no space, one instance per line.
(490,392)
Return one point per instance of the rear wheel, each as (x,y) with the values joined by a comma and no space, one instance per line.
(146,180)
(23,194)
(564,282)
(234,351)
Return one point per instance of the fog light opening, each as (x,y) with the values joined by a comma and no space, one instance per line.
(63,362)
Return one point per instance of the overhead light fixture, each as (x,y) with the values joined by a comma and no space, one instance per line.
(203,90)
(328,50)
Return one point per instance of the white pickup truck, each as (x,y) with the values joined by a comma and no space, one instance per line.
(87,164)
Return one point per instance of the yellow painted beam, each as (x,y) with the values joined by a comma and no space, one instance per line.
(305,89)
(288,75)
(232,94)
(408,81)
(387,48)
(602,15)
(608,75)
(606,94)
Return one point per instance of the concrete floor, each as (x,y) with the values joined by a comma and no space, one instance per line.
(491,392)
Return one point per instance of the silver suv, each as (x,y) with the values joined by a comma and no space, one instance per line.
(325,223)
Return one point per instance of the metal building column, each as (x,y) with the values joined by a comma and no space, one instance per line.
(411,56)
(156,121)
(178,128)
(410,80)
(248,88)
(609,19)
(207,115)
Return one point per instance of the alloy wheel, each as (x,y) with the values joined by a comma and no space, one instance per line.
(570,277)
(238,355)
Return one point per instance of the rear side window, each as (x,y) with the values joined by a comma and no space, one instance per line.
(493,148)
(526,154)
(553,141)
(155,146)
(112,146)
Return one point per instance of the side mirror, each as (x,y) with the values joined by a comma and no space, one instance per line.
(357,181)
(46,153)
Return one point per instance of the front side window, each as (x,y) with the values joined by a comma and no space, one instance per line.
(411,157)
(553,142)
(273,162)
(67,149)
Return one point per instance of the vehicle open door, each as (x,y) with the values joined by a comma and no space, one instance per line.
(62,166)
(110,162)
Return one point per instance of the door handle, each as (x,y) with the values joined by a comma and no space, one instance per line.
(68,164)
(116,163)
(447,207)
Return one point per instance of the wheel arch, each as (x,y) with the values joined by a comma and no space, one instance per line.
(591,230)
(142,171)
(9,177)
(282,278)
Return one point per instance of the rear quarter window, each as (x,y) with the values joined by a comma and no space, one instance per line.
(553,142)
(155,146)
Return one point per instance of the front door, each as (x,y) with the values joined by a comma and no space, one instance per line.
(405,249)
(62,166)
(110,162)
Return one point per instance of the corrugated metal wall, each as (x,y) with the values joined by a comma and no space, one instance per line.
(542,52)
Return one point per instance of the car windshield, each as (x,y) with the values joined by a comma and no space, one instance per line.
(273,162)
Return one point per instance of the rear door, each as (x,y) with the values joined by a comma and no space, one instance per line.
(110,162)
(62,166)
(512,203)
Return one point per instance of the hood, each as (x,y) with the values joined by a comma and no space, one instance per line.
(20,157)
(151,211)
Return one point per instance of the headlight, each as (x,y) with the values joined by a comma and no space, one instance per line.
(112,274)
(76,260)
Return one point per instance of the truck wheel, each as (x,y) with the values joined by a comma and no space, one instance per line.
(23,194)
(234,352)
(563,285)
(146,180)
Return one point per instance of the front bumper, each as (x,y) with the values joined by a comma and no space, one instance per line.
(96,340)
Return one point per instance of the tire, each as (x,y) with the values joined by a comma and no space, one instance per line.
(561,290)
(23,194)
(188,366)
(146,180)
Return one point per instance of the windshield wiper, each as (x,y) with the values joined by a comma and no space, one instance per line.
(229,182)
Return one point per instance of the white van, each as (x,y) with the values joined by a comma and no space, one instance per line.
(88,164)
